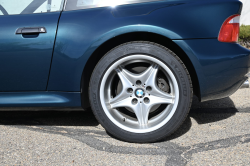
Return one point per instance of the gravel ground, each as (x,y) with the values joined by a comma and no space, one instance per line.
(245,43)
(215,133)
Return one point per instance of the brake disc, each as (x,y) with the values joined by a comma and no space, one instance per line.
(163,85)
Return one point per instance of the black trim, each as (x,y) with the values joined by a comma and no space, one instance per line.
(195,38)
(31,8)
(31,30)
(49,3)
(3,10)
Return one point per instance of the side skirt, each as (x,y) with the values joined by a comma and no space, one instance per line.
(40,99)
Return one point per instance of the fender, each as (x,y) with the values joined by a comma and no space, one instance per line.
(73,63)
(136,28)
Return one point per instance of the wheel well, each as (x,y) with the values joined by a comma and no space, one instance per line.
(135,36)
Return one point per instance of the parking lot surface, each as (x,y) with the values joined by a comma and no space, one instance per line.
(215,133)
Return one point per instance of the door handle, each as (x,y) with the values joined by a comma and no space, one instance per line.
(31,30)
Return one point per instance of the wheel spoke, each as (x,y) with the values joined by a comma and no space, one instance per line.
(168,99)
(141,111)
(126,79)
(163,97)
(125,102)
(126,83)
(158,96)
(132,77)
(147,74)
(150,75)
(144,112)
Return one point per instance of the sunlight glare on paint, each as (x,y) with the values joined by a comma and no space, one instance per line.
(112,3)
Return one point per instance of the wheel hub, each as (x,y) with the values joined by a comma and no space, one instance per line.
(140,93)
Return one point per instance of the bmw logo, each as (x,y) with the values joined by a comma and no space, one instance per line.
(139,93)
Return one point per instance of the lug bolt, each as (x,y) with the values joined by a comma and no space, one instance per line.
(138,82)
(146,100)
(130,90)
(149,88)
(134,101)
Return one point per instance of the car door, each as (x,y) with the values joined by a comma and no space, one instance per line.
(27,35)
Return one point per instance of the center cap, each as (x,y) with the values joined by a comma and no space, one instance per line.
(139,93)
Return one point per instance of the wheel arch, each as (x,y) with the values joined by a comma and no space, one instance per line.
(129,37)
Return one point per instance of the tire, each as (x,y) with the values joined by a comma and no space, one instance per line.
(140,92)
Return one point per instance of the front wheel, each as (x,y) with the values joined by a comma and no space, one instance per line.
(140,92)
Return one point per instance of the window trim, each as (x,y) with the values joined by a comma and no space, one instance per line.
(101,6)
(64,5)
(5,12)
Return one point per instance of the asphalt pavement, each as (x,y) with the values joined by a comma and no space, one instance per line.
(215,133)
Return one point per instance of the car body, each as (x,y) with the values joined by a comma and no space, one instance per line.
(53,69)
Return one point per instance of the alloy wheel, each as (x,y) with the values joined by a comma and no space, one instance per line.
(141,94)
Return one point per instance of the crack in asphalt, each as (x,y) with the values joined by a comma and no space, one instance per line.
(49,122)
(176,154)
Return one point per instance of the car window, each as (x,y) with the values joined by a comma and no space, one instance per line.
(84,4)
(11,7)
